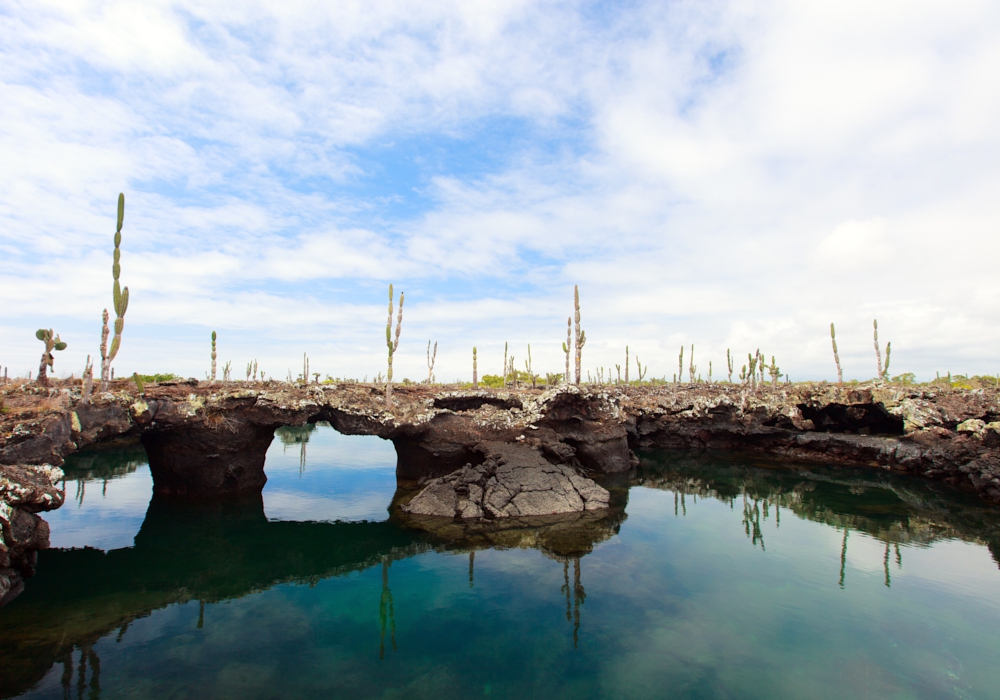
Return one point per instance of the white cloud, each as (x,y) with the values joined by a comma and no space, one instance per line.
(727,173)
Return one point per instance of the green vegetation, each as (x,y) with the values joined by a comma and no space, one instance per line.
(155,378)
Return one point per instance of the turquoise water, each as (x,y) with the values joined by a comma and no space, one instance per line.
(711,578)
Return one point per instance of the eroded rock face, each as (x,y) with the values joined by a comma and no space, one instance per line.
(513,481)
(24,491)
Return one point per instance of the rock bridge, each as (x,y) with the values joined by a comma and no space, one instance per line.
(210,439)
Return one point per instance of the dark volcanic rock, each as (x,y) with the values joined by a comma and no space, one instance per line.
(24,491)
(513,481)
(226,457)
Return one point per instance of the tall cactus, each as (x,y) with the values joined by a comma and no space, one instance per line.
(505,365)
(393,345)
(120,298)
(836,356)
(52,342)
(692,367)
(729,363)
(882,373)
(626,365)
(568,346)
(581,336)
(475,370)
(431,359)
(680,366)
(213,356)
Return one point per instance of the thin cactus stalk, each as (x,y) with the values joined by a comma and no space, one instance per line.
(774,372)
(836,356)
(138,383)
(709,371)
(878,351)
(88,381)
(692,367)
(581,336)
(475,369)
(680,366)
(888,355)
(626,365)
(505,365)
(431,359)
(226,371)
(729,363)
(527,364)
(642,370)
(392,345)
(52,342)
(120,299)
(618,370)
(213,356)
(567,347)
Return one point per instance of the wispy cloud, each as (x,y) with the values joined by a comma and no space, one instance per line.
(725,173)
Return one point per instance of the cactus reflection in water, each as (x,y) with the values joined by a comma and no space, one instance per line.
(883,511)
(386,611)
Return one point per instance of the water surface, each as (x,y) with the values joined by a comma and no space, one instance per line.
(711,578)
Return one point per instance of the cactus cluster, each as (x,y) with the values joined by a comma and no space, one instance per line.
(52,342)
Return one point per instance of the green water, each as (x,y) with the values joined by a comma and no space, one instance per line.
(710,578)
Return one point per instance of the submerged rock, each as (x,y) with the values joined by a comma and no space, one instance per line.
(513,481)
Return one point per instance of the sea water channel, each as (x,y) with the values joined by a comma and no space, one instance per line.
(711,577)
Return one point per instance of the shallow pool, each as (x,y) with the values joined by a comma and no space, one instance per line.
(710,578)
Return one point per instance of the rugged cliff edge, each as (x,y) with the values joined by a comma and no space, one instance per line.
(210,438)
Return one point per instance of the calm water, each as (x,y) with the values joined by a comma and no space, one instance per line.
(710,578)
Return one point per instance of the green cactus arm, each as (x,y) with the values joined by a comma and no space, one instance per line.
(121,210)
(60,346)
(40,334)
(213,336)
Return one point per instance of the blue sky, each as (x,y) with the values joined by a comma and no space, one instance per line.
(729,174)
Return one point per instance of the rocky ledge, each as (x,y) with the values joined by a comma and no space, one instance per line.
(513,481)
(24,491)
(209,439)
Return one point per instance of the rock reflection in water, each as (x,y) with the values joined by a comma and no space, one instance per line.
(211,551)
(894,509)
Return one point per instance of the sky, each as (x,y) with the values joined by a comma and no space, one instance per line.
(733,175)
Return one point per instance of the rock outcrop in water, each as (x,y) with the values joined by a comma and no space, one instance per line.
(24,491)
(513,481)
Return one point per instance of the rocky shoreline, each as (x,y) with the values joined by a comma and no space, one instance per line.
(532,450)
